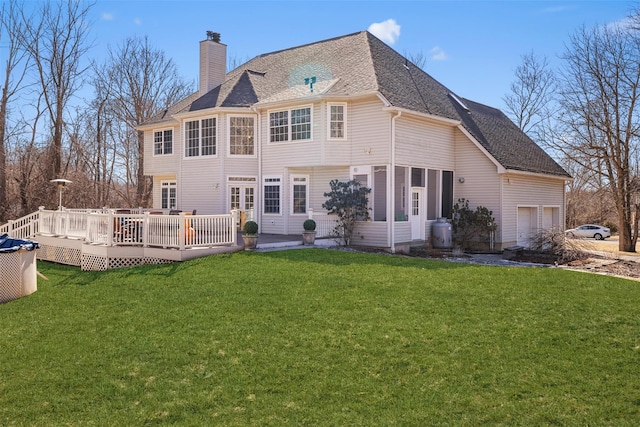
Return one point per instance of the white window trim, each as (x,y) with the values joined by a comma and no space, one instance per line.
(171,183)
(173,141)
(344,120)
(184,138)
(243,181)
(255,142)
(288,110)
(291,184)
(264,184)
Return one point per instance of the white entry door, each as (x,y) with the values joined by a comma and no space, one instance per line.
(527,225)
(242,197)
(417,214)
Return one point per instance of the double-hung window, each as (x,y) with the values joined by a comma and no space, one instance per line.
(290,125)
(168,194)
(337,119)
(272,192)
(299,194)
(163,142)
(200,137)
(241,136)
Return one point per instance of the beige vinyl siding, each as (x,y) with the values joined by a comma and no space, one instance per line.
(279,155)
(369,136)
(481,180)
(197,186)
(157,189)
(528,191)
(334,151)
(371,234)
(318,184)
(402,231)
(160,164)
(424,143)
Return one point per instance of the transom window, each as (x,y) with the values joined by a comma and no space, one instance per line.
(163,142)
(241,136)
(337,121)
(200,137)
(290,125)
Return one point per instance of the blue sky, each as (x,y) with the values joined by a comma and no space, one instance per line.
(472,47)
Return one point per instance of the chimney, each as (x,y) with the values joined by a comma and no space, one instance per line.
(213,62)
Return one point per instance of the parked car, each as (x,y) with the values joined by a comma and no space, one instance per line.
(594,231)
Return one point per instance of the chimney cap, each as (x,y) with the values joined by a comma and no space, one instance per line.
(213,36)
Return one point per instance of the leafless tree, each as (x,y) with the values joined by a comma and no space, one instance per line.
(143,82)
(16,66)
(419,59)
(56,38)
(600,85)
(30,164)
(531,102)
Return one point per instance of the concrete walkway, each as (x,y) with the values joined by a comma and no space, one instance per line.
(268,242)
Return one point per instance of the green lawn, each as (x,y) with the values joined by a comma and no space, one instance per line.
(323,338)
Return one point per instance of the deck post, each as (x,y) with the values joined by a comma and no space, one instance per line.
(233,227)
(145,230)
(110,224)
(310,211)
(181,231)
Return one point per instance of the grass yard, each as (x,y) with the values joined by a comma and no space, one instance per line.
(324,338)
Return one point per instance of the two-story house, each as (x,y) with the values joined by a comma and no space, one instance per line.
(270,135)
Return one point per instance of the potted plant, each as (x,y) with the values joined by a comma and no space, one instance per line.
(309,235)
(250,236)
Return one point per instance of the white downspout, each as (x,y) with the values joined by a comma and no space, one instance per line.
(257,213)
(392,172)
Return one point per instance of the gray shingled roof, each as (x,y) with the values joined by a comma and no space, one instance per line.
(360,63)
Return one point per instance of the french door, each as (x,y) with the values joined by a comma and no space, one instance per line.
(242,198)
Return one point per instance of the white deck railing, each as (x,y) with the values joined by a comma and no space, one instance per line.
(113,228)
(325,223)
(22,228)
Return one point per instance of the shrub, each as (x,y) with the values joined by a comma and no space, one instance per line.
(471,228)
(349,202)
(554,242)
(250,228)
(309,225)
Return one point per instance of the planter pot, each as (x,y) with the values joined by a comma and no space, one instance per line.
(308,237)
(250,242)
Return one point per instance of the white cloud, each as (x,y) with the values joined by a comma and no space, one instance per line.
(137,21)
(387,31)
(624,24)
(438,54)
(107,16)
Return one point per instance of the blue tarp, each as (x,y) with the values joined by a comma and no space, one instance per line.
(8,245)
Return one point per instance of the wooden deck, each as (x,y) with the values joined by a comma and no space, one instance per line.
(105,239)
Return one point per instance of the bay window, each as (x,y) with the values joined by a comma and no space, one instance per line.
(241,136)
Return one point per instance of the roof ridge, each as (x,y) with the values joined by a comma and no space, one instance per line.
(262,55)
